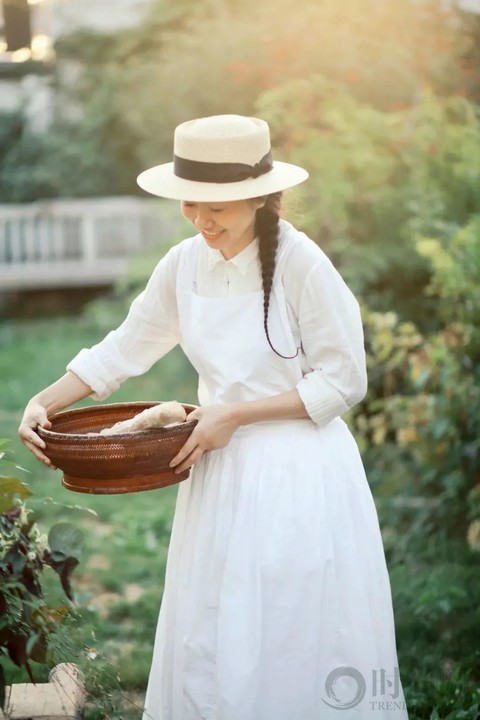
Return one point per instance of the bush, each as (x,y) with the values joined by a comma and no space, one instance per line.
(121,95)
(381,52)
(28,620)
(419,424)
(377,181)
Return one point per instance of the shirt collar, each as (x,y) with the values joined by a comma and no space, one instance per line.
(241,261)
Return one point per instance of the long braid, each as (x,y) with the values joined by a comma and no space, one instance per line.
(267,229)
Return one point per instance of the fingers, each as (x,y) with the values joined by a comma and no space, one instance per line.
(185,451)
(188,455)
(33,441)
(195,414)
(39,455)
(27,434)
(190,460)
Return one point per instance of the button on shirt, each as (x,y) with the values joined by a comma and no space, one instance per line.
(239,275)
(323,313)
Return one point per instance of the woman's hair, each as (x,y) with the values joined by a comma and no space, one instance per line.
(267,229)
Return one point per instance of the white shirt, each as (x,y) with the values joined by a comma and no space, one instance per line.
(323,313)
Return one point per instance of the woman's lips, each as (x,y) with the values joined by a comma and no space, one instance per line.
(211,236)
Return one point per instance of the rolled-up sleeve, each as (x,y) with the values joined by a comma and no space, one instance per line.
(332,339)
(149,332)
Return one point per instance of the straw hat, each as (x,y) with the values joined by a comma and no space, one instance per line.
(221,158)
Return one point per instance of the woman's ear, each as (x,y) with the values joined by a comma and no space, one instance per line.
(259,202)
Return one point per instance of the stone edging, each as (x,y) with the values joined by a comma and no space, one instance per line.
(62,698)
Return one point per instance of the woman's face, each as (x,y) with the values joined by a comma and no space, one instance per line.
(225,226)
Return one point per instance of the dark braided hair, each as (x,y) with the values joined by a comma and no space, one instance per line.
(267,229)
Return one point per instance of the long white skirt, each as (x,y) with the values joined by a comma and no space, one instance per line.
(277,601)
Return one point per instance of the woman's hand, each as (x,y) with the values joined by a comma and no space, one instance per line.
(35,414)
(216,425)
(57,396)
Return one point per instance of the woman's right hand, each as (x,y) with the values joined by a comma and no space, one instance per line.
(35,414)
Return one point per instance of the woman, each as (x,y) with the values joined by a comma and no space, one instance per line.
(277,602)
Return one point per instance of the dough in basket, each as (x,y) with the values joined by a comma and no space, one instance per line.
(167,413)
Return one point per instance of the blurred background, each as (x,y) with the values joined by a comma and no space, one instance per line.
(379,100)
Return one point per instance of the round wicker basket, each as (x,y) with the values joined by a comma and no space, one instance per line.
(113,464)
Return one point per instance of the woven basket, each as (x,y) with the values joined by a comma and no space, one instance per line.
(113,464)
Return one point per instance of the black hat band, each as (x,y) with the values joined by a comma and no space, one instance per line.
(220,172)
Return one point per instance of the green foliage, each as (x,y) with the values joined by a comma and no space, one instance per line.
(70,160)
(378,180)
(27,620)
(453,698)
(419,424)
(456,279)
(9,488)
(121,95)
(22,174)
(387,52)
(436,597)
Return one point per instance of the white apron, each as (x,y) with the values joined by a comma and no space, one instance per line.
(277,601)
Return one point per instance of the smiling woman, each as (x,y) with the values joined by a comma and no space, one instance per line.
(228,227)
(276,585)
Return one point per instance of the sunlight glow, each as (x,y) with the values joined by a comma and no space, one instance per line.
(21,55)
(40,43)
(42,47)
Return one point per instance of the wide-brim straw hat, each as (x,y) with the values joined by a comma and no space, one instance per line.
(221,158)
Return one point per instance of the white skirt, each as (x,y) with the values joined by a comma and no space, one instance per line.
(277,601)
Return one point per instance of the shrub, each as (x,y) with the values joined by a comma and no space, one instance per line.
(28,620)
(378,180)
(419,424)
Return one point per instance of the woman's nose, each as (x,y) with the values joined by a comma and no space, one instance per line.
(202,221)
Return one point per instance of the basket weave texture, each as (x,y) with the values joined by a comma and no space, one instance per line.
(113,464)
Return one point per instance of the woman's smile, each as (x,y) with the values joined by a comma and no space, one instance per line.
(237,223)
(212,236)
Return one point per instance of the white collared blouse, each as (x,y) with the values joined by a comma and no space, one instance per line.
(323,313)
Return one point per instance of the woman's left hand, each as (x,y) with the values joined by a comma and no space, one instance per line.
(214,429)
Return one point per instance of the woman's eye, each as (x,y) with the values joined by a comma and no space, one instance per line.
(216,210)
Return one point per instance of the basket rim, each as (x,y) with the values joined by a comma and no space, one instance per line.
(53,435)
